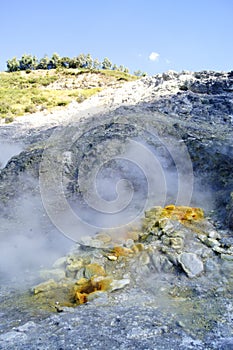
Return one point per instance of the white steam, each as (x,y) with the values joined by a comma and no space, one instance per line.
(7,151)
(123,187)
(28,240)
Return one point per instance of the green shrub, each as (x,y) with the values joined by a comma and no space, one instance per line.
(39,99)
(62,103)
(30,109)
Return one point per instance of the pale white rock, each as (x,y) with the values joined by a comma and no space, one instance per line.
(119,284)
(214,234)
(191,264)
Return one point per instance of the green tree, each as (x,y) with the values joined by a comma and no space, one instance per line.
(55,60)
(81,61)
(74,63)
(78,61)
(89,61)
(28,62)
(13,65)
(44,63)
(96,64)
(121,68)
(65,62)
(114,67)
(139,73)
(106,64)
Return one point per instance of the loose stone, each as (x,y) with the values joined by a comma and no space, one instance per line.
(191,264)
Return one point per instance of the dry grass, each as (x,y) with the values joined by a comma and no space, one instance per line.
(24,92)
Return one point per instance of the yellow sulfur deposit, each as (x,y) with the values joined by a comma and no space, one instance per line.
(83,278)
(121,251)
(182,213)
(93,285)
(94,270)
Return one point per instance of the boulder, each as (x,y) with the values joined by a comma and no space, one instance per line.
(191,264)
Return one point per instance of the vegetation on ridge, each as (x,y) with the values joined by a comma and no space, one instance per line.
(82,61)
(29,91)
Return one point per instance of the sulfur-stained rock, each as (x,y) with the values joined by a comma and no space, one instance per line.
(83,291)
(134,235)
(73,266)
(191,264)
(182,213)
(173,237)
(82,281)
(122,251)
(171,220)
(153,212)
(94,270)
(138,247)
(177,243)
(44,286)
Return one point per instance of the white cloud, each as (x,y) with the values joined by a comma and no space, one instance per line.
(153,56)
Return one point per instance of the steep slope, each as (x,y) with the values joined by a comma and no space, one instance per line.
(197,107)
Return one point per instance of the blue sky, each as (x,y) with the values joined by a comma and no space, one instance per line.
(151,35)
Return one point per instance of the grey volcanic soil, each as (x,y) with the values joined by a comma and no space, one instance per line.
(194,109)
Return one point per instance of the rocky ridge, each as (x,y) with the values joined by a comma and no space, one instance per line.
(212,91)
(193,103)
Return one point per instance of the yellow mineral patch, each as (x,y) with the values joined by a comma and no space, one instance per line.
(182,213)
(94,270)
(81,281)
(134,235)
(94,284)
(92,278)
(81,297)
(138,247)
(121,251)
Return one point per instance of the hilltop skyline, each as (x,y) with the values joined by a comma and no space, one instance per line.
(152,36)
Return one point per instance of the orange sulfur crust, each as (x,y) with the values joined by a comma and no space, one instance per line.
(182,213)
